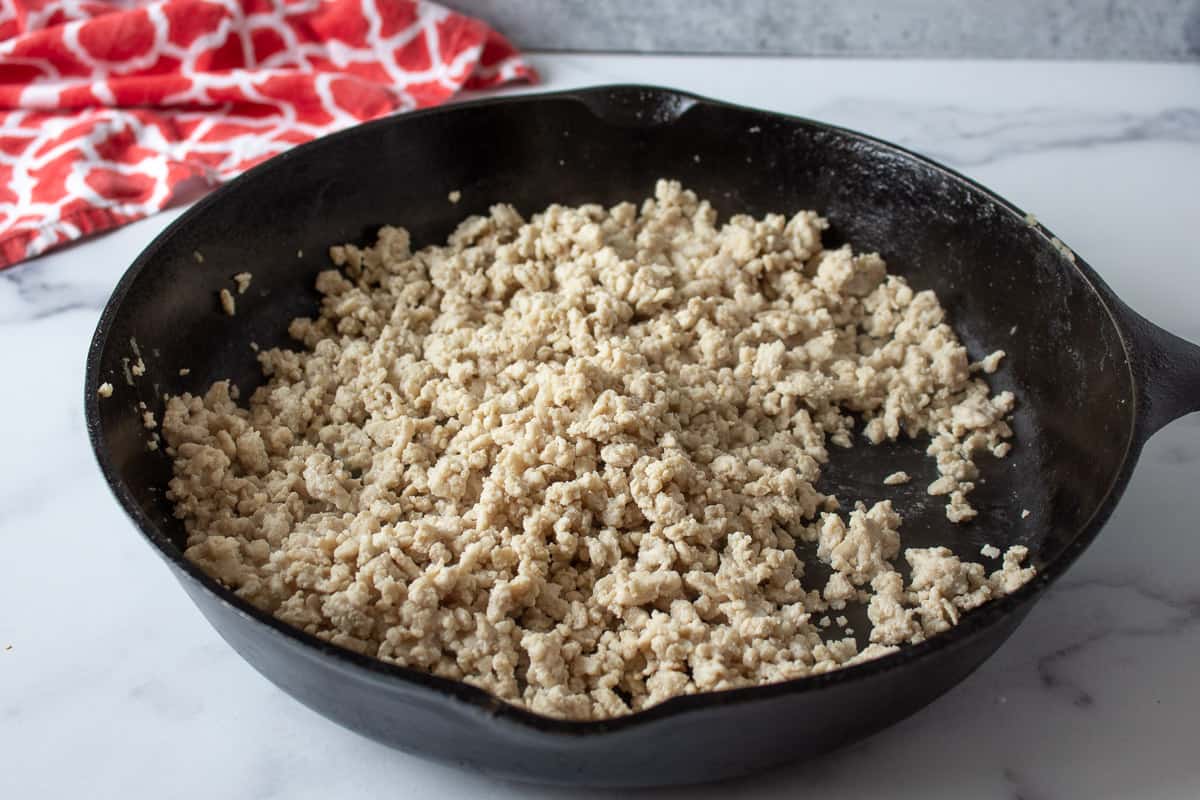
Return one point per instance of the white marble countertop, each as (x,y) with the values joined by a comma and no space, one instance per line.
(112,684)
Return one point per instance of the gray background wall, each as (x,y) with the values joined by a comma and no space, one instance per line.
(1154,30)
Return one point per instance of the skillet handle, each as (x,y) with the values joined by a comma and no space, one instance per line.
(1167,371)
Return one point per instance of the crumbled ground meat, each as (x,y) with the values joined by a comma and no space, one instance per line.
(571,459)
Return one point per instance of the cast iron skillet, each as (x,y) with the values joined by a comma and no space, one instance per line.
(1093,379)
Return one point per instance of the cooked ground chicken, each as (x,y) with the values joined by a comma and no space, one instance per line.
(991,362)
(571,460)
(242,280)
(105,389)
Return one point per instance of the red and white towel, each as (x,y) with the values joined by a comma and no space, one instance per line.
(106,108)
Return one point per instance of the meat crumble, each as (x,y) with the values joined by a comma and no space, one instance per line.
(572,459)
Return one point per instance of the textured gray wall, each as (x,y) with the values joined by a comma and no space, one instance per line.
(1154,30)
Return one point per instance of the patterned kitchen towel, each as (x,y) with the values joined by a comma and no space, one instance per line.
(108,106)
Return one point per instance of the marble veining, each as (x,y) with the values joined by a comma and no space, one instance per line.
(34,297)
(1124,610)
(112,685)
(967,137)
(78,278)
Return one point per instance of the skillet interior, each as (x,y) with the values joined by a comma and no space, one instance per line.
(1004,284)
(992,271)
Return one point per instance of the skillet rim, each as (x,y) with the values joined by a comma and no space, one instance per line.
(480,701)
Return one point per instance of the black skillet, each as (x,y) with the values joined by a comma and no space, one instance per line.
(1093,379)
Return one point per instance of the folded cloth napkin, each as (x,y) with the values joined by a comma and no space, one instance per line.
(107,107)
